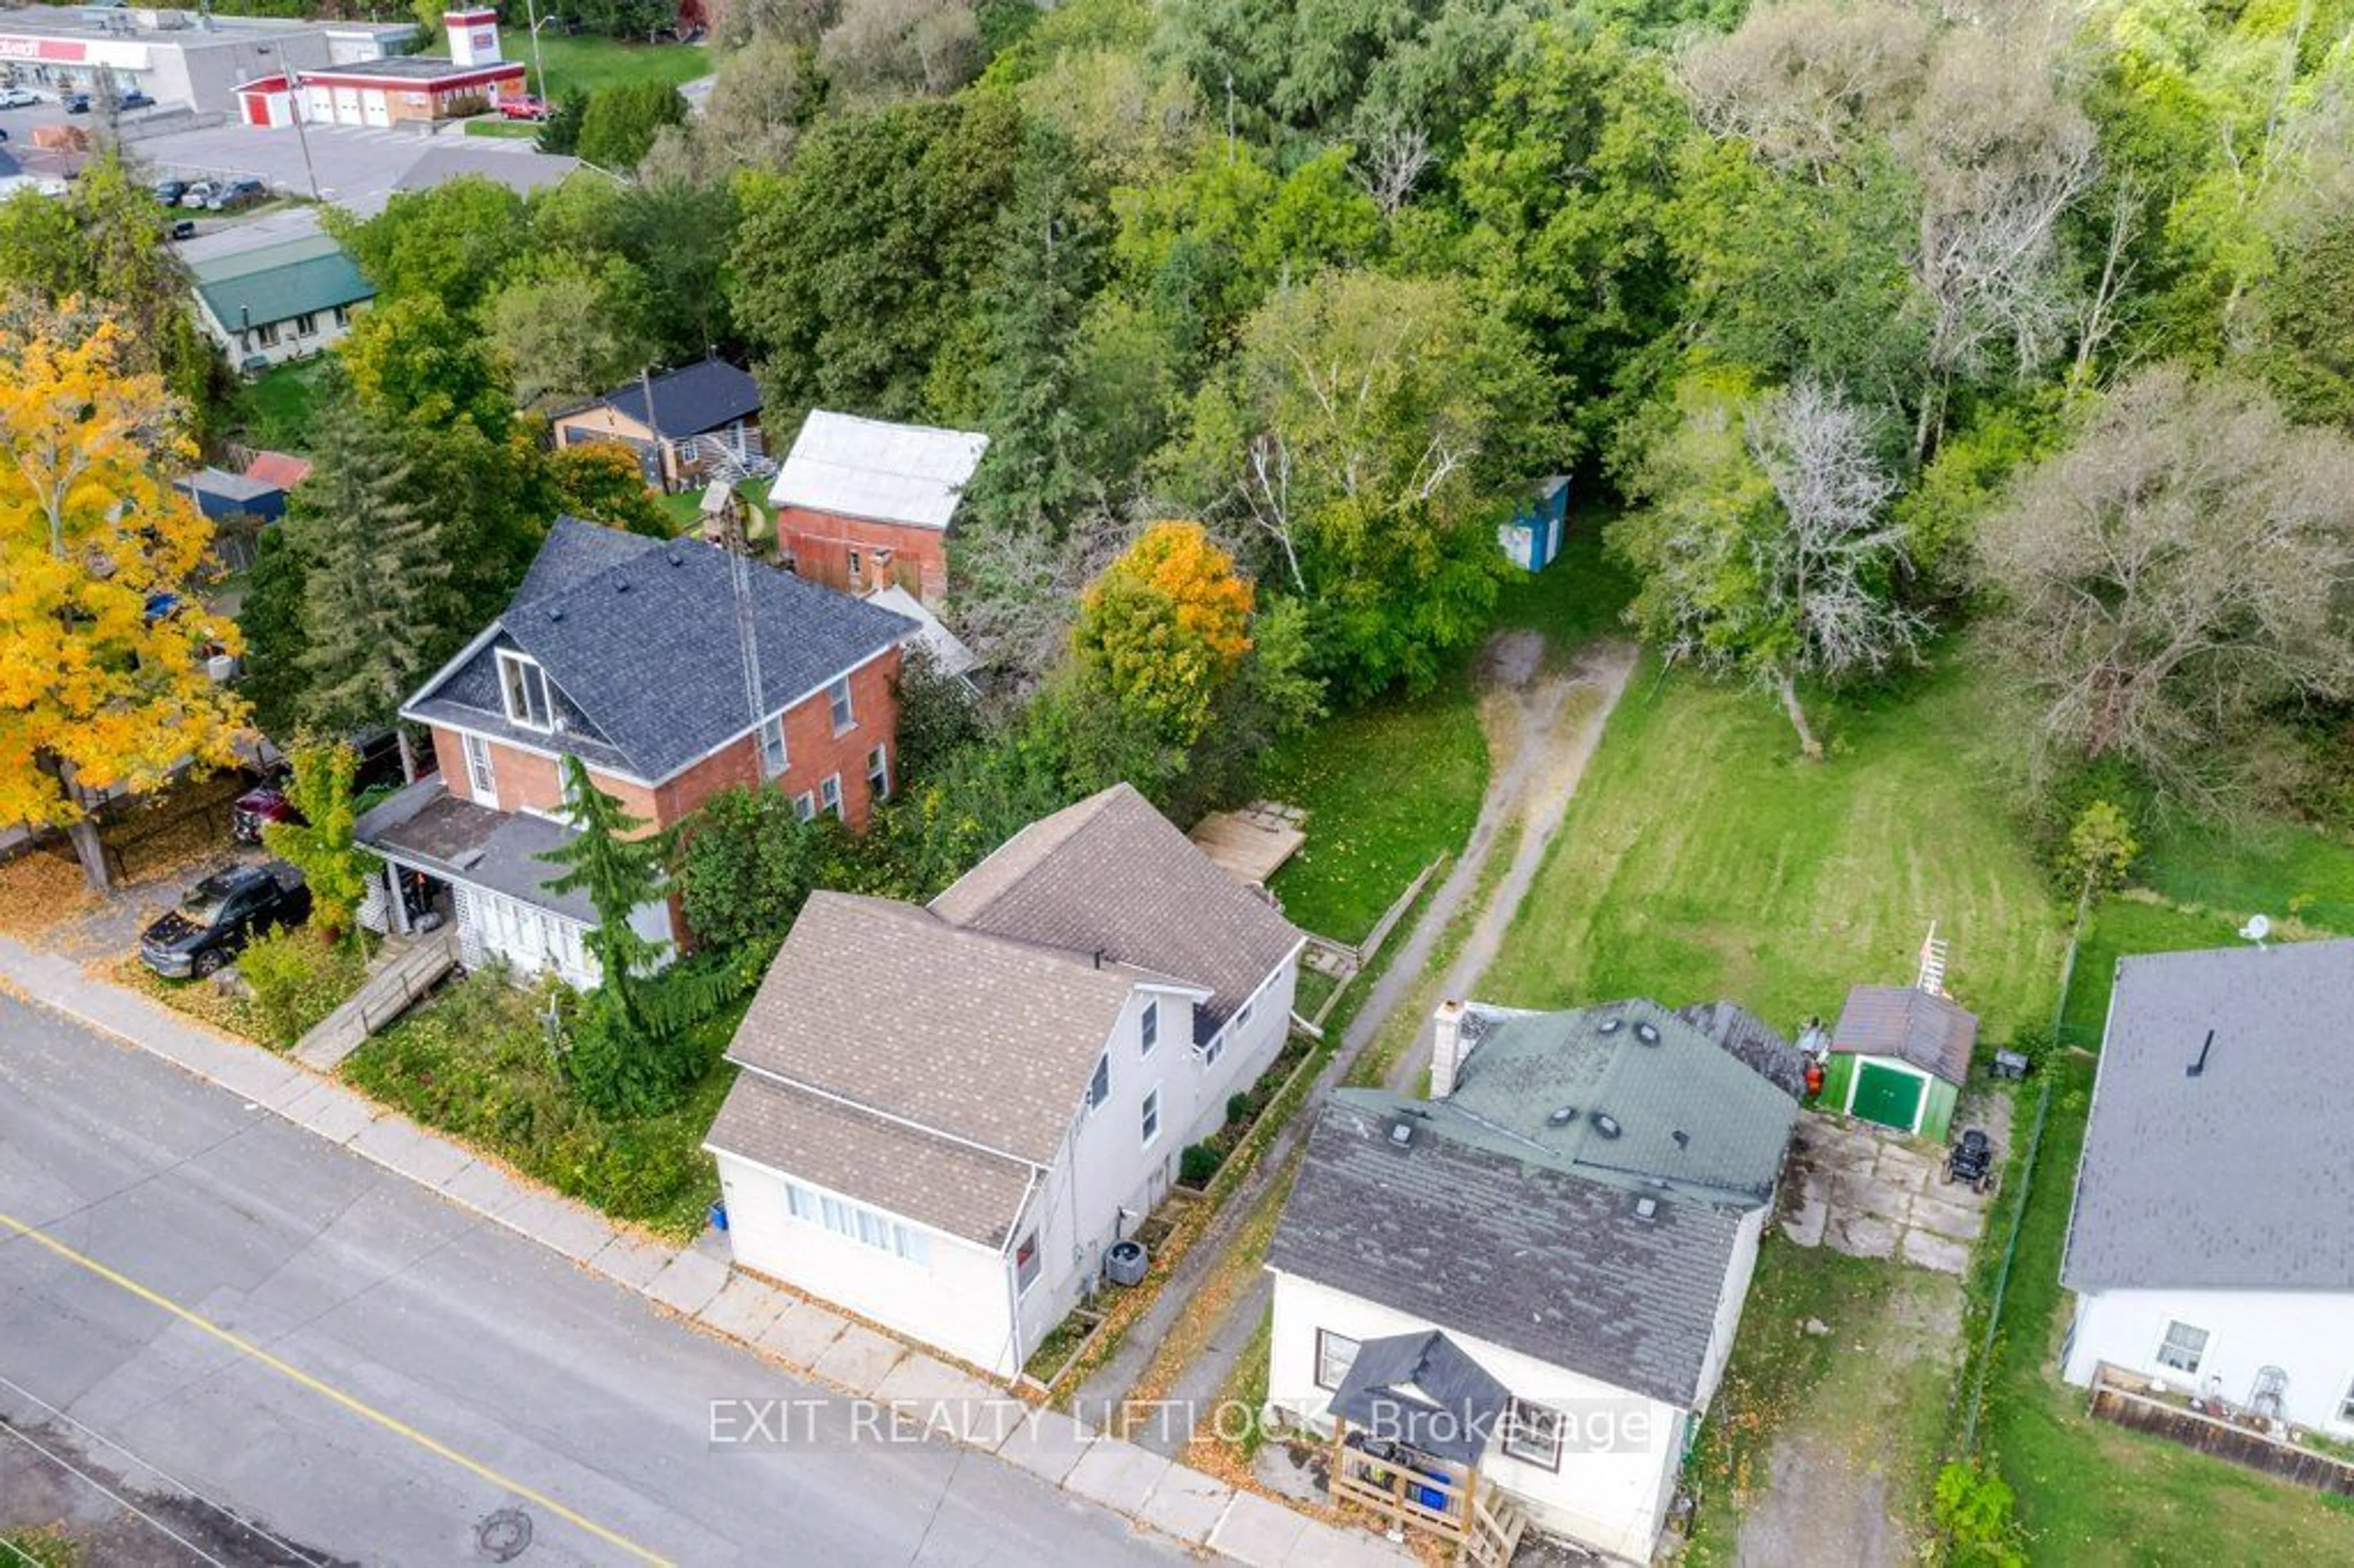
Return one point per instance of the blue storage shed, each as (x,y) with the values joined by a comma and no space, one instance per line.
(1532,538)
(220,493)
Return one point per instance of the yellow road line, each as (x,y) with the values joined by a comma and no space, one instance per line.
(391,1424)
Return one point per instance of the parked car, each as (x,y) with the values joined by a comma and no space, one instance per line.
(197,193)
(169,192)
(77,103)
(529,106)
(221,915)
(267,802)
(184,228)
(237,193)
(17,98)
(134,99)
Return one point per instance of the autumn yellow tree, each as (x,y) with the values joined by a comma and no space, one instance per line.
(1165,627)
(103,645)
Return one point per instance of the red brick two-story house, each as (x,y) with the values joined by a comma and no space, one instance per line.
(628,653)
(863,504)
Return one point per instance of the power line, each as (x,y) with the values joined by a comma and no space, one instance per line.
(248,1525)
(101,1488)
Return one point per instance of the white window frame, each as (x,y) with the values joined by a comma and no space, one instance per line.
(775,755)
(306,324)
(1328,1352)
(878,773)
(805,806)
(481,778)
(2346,1406)
(522,670)
(856,1222)
(1099,1082)
(1027,1263)
(829,793)
(2198,1353)
(1215,1049)
(1543,1450)
(1148,1118)
(839,706)
(1148,1027)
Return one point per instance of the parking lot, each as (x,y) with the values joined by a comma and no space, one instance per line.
(356,168)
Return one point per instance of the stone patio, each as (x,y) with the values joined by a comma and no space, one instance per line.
(1870,1192)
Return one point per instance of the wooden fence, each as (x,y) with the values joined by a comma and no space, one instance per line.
(2114,1399)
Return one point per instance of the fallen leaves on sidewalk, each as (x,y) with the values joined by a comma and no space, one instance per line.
(39,890)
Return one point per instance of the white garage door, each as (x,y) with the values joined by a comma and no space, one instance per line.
(372,108)
(347,106)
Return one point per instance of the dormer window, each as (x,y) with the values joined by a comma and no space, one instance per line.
(523,686)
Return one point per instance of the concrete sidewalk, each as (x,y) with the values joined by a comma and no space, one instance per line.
(697,1282)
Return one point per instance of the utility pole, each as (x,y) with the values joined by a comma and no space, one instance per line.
(301,105)
(539,61)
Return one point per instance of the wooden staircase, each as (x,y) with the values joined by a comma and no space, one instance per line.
(405,967)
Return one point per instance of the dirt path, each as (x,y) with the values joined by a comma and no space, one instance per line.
(1542,726)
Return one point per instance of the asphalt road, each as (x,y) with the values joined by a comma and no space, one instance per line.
(401,1372)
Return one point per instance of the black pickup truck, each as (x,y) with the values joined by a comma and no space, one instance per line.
(221,915)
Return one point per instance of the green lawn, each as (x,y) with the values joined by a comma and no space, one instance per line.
(280,402)
(2270,867)
(503,130)
(1704,858)
(585,63)
(2090,1493)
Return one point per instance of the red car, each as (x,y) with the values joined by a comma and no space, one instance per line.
(527,106)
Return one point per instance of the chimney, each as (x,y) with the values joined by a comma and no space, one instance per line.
(1445,1048)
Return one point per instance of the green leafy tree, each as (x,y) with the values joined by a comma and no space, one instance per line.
(2101,848)
(2303,316)
(858,267)
(418,360)
(1366,436)
(601,482)
(270,617)
(748,865)
(621,121)
(938,713)
(567,329)
(321,846)
(448,243)
(560,132)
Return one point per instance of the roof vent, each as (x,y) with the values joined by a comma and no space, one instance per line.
(2199,1068)
(1647,1209)
(675,558)
(556,613)
(1402,1133)
(1609,1026)
(1684,1138)
(1648,1033)
(1606,1124)
(620,585)
(1562,1116)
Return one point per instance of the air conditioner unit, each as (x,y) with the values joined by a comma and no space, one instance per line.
(221,668)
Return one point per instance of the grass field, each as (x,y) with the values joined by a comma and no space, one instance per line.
(1703,858)
(585,63)
(279,403)
(2090,1493)
(501,130)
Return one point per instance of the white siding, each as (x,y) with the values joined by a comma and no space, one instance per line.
(955,1299)
(2307,1334)
(1613,1497)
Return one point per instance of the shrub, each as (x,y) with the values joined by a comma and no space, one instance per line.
(1198,1165)
(1238,1105)
(1975,1510)
(298,977)
(46,1547)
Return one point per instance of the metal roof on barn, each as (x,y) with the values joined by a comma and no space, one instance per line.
(869,468)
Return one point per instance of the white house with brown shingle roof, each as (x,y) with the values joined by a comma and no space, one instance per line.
(947,1113)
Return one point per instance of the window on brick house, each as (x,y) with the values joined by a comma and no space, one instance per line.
(878,773)
(837,699)
(773,757)
(829,793)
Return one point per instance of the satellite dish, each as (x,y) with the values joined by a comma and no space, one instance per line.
(2258,927)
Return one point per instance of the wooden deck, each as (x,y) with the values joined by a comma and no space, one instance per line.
(1251,844)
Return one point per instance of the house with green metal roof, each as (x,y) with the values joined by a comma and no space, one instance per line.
(1509,1305)
(292,295)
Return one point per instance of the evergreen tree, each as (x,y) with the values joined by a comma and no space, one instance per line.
(375,566)
(272,678)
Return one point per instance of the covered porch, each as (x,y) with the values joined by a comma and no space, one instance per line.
(1412,1419)
(449,861)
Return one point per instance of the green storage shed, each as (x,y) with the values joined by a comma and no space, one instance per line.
(1899,1057)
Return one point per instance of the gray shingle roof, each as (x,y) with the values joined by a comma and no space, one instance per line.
(1685,1110)
(1461,1405)
(1112,874)
(931,1179)
(1933,1033)
(870,468)
(981,1038)
(2236,1178)
(1507,1248)
(1753,1041)
(428,827)
(689,401)
(639,638)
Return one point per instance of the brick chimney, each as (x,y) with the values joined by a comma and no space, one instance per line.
(1445,1048)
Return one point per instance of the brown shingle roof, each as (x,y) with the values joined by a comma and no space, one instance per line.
(982,1038)
(1933,1032)
(1112,875)
(933,1181)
